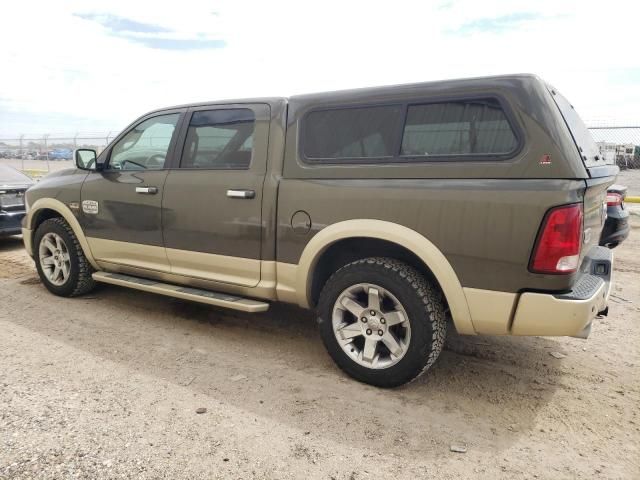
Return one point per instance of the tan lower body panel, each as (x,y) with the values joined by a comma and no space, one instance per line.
(182,292)
(491,311)
(206,266)
(529,313)
(127,253)
(546,315)
(217,268)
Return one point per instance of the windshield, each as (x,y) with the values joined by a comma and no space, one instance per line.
(10,175)
(589,151)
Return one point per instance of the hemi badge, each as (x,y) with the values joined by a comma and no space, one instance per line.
(74,205)
(90,207)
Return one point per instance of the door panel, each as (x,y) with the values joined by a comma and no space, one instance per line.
(212,204)
(123,215)
(121,206)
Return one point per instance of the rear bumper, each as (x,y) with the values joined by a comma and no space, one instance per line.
(10,223)
(571,313)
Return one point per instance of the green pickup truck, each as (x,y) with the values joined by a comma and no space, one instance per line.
(391,211)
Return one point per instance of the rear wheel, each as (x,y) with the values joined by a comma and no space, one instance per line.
(381,321)
(60,261)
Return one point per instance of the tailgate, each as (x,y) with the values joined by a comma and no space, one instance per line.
(595,210)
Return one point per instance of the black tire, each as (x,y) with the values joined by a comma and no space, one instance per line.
(421,301)
(80,280)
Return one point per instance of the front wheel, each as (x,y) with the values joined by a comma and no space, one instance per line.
(61,263)
(381,321)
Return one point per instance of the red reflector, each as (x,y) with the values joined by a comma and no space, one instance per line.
(557,248)
(614,199)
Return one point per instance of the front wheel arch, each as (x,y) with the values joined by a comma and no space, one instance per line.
(52,208)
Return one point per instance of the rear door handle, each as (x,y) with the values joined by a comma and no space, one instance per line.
(241,193)
(147,190)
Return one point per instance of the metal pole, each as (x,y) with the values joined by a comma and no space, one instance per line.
(21,153)
(46,149)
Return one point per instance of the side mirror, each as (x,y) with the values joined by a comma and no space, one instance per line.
(86,159)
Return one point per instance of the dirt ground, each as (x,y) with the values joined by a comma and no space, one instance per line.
(107,386)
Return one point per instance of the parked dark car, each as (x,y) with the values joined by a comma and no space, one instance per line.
(616,227)
(13,185)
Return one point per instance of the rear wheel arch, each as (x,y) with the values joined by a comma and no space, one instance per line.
(347,250)
(376,237)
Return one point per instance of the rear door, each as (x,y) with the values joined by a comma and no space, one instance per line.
(121,205)
(212,204)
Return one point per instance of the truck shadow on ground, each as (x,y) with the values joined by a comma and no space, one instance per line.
(485,391)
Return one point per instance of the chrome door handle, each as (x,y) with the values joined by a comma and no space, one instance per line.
(241,193)
(147,190)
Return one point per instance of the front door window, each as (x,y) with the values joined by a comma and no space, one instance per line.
(145,146)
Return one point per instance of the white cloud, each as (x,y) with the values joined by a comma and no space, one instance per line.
(57,63)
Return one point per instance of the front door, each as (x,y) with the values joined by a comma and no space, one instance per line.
(120,209)
(212,204)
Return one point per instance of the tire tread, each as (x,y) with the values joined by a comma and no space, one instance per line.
(430,297)
(85,282)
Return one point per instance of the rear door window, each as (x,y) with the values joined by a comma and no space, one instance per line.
(411,132)
(351,133)
(219,140)
(469,127)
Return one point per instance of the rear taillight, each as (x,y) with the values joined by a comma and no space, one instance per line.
(557,249)
(614,199)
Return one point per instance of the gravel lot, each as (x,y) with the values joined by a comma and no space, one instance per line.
(107,386)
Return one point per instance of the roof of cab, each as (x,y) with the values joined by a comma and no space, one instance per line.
(236,101)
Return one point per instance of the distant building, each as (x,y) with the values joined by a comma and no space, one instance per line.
(608,150)
(619,153)
(626,150)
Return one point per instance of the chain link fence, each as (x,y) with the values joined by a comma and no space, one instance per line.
(39,154)
(620,144)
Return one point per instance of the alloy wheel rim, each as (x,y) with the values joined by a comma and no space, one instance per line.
(371,326)
(54,258)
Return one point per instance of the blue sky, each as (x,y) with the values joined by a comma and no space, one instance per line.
(161,37)
(96,65)
(498,24)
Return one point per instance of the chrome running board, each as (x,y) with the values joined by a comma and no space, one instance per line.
(186,293)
